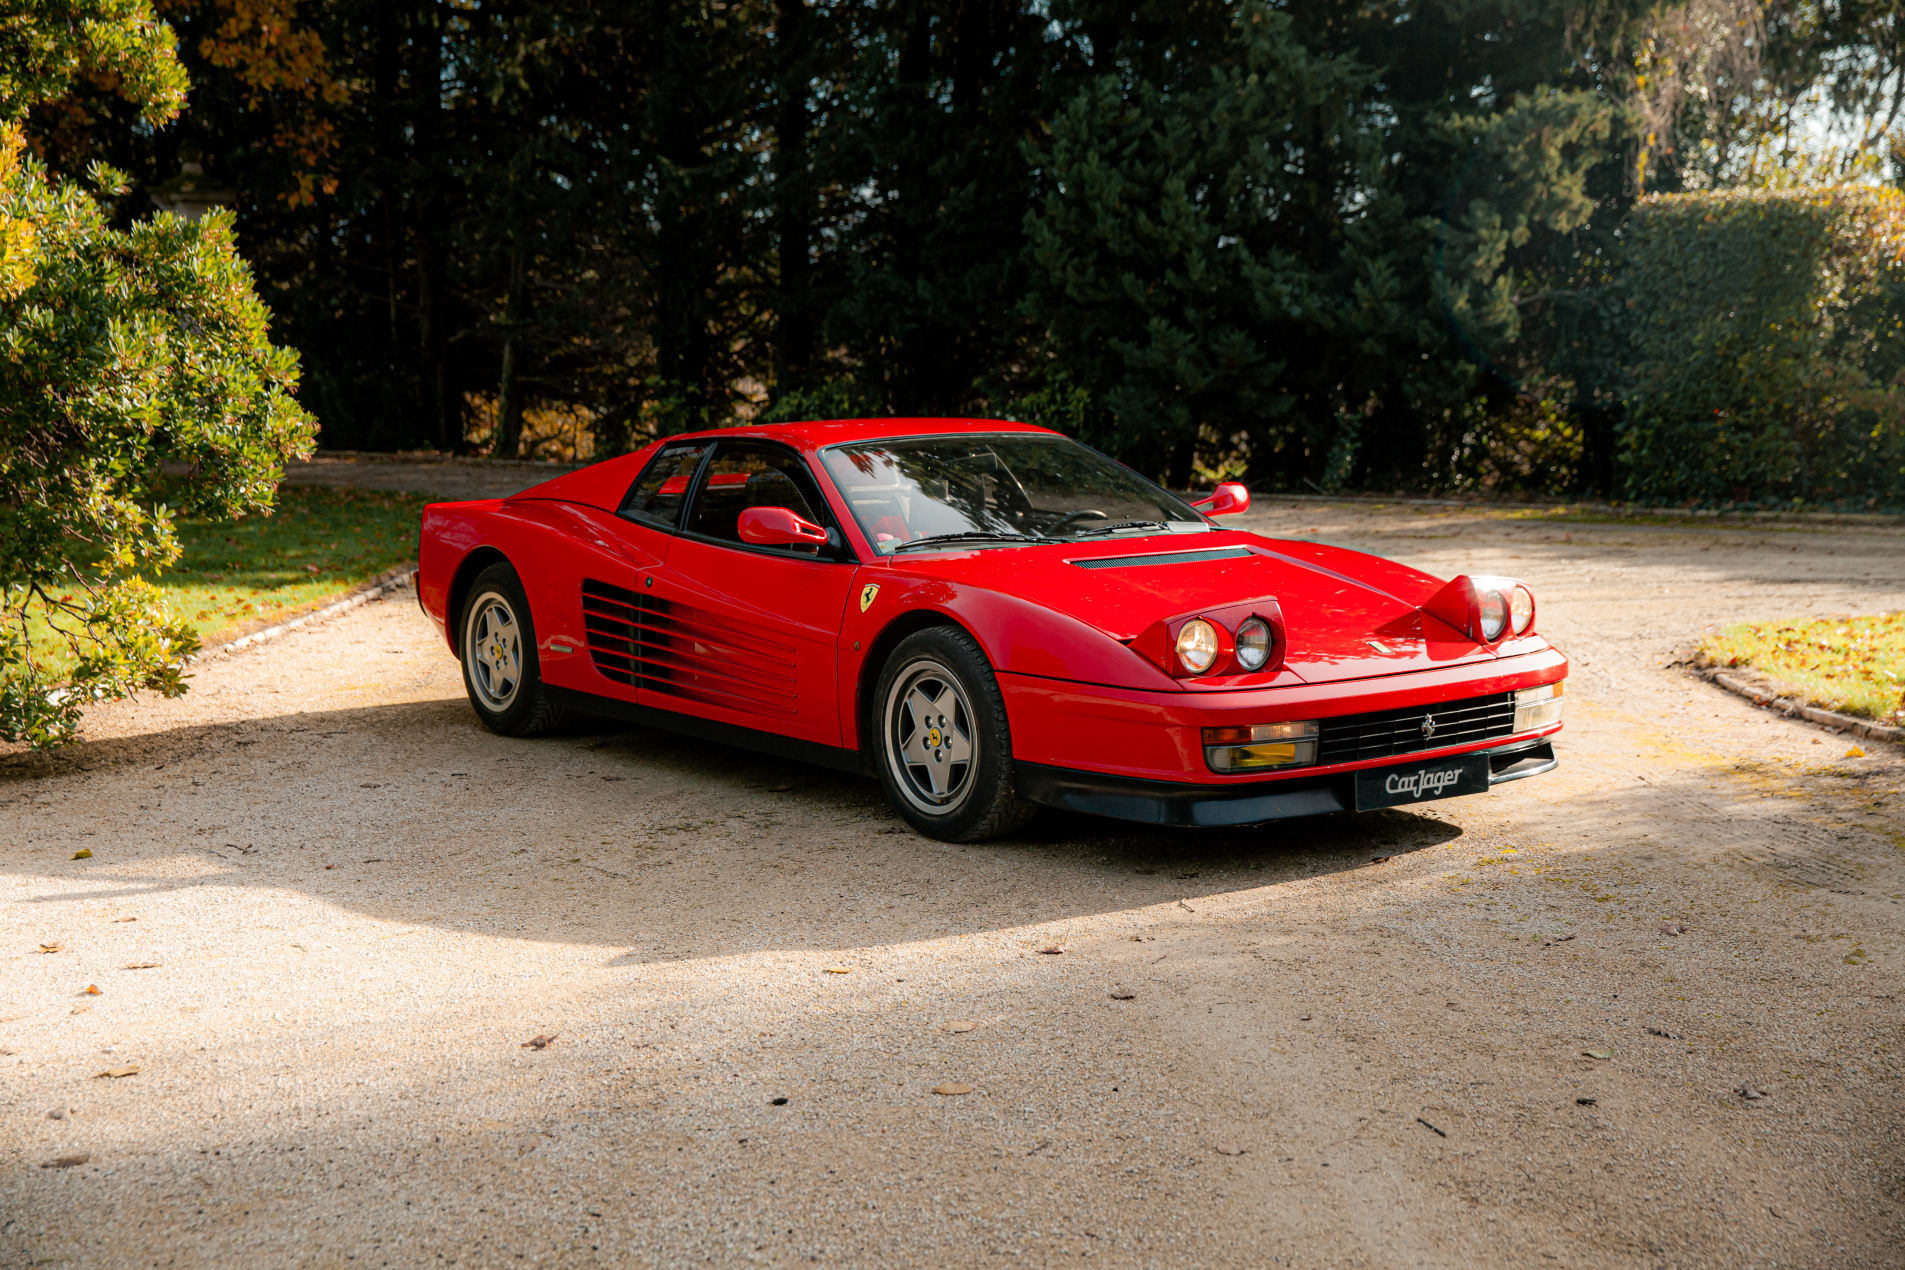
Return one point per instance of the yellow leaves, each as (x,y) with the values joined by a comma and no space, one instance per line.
(117,1073)
(18,237)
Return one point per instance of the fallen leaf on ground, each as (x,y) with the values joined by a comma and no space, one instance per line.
(1226,1148)
(65,1161)
(1052,950)
(114,1073)
(84,853)
(1663,1032)
(51,948)
(1855,752)
(1751,1093)
(1673,928)
(125,919)
(539,1042)
(839,970)
(961,1025)
(1122,994)
(311,568)
(142,965)
(92,990)
(1599,1053)
(1585,1102)
(951,1088)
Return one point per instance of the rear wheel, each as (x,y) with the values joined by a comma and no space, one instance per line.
(498,646)
(944,750)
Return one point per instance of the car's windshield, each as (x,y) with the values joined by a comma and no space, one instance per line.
(1000,488)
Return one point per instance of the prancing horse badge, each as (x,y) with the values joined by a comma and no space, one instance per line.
(867,593)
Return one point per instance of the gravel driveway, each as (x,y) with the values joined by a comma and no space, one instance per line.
(1510,1030)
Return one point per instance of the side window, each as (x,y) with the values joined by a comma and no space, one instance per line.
(659,492)
(746,475)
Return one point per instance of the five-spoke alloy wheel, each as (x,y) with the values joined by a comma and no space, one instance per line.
(498,647)
(944,751)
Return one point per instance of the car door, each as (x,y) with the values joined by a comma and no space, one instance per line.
(748,635)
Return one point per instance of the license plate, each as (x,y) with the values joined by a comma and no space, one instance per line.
(1421,782)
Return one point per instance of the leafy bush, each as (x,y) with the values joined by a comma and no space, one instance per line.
(1768,353)
(137,380)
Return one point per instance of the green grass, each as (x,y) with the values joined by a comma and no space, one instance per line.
(1851,664)
(240,575)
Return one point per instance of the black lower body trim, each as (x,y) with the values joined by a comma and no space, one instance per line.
(1219,806)
(834,756)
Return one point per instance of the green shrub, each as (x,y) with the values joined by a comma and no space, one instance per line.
(137,380)
(1768,355)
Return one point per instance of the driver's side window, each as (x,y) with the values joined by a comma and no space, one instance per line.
(745,474)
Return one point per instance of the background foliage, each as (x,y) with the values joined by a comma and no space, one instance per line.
(1327,243)
(1769,345)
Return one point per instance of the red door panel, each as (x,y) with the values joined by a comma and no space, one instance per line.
(745,637)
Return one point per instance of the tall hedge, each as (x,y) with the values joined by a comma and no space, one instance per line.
(1767,346)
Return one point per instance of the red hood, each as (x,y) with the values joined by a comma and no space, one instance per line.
(1347,615)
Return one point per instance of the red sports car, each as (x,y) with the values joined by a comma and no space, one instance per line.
(989,617)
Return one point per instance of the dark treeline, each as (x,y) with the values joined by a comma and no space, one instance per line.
(1335,243)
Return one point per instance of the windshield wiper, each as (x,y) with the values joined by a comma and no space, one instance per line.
(969,535)
(1094,531)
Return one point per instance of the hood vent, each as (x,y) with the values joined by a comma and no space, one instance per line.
(1165,557)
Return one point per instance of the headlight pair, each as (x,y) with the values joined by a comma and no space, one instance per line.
(1485,608)
(1199,644)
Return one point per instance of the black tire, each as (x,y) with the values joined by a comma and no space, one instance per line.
(509,706)
(936,699)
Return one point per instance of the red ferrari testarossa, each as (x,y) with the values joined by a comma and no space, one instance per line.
(989,617)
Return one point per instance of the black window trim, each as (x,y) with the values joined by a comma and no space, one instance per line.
(709,444)
(839,549)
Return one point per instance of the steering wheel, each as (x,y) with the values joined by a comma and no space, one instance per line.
(1088,513)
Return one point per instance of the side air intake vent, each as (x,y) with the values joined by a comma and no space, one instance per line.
(658,645)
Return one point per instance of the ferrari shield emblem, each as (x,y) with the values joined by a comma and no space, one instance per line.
(867,593)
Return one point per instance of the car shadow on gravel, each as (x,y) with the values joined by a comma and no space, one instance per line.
(666,847)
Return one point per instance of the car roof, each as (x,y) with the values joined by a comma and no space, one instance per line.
(814,433)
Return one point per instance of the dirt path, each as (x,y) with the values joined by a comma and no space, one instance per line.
(361,905)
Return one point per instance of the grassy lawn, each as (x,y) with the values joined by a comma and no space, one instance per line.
(240,575)
(1855,665)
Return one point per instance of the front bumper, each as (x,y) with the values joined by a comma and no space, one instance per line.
(1183,804)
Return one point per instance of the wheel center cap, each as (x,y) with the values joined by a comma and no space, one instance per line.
(934,737)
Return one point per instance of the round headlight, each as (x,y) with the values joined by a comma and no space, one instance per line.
(1494,614)
(1197,645)
(1521,609)
(1253,643)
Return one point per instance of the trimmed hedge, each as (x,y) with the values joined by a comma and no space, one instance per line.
(1768,346)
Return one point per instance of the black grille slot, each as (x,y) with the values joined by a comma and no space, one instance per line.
(1164,557)
(1381,733)
(616,620)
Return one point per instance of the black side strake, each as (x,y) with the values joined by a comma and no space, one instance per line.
(1165,557)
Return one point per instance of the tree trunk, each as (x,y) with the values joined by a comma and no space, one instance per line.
(509,392)
(793,200)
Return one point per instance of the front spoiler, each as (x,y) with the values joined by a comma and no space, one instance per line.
(1206,806)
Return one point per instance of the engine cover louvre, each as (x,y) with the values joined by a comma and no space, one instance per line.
(664,646)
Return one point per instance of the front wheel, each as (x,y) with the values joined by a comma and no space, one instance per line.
(943,746)
(498,646)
